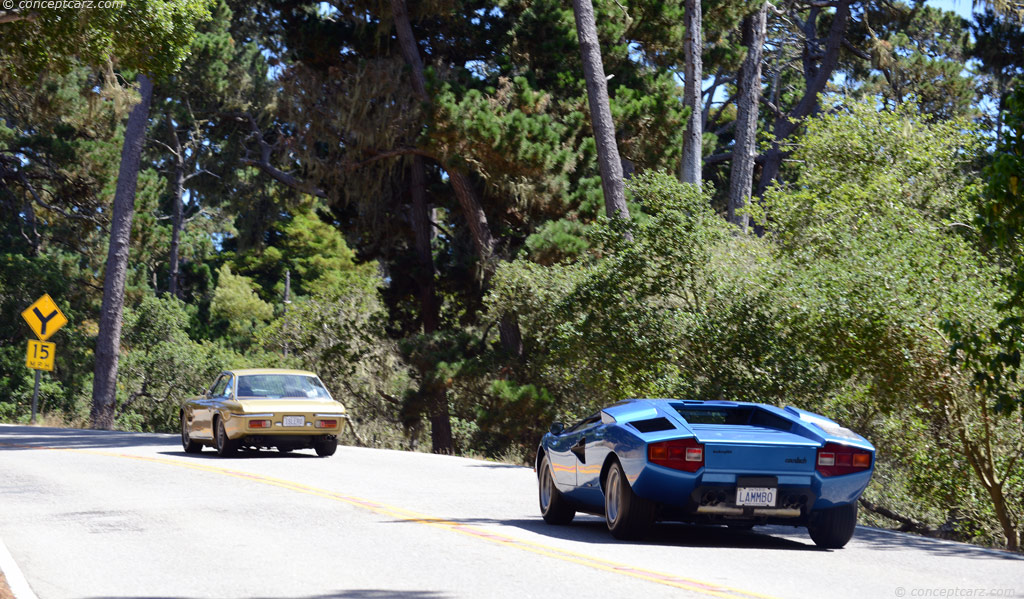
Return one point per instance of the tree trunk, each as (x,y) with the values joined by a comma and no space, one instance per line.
(742,176)
(817,75)
(600,111)
(690,169)
(1010,531)
(177,216)
(464,192)
(437,402)
(420,218)
(476,219)
(108,342)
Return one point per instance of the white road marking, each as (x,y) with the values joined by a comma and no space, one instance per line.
(15,579)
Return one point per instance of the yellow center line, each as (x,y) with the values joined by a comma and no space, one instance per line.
(690,584)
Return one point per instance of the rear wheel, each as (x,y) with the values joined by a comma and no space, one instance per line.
(187,443)
(325,447)
(833,528)
(628,515)
(553,505)
(225,446)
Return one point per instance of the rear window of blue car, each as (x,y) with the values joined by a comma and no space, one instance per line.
(731,416)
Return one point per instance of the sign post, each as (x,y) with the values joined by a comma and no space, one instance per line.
(45,318)
(35,399)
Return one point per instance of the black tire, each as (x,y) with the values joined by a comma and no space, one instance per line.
(553,505)
(225,446)
(833,528)
(325,447)
(187,443)
(628,516)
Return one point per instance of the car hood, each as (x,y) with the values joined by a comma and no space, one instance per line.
(256,406)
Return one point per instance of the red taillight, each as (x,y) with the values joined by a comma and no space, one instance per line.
(327,424)
(835,459)
(677,454)
(259,424)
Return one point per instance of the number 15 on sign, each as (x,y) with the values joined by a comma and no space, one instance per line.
(40,355)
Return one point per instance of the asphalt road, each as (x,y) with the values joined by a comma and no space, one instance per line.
(117,515)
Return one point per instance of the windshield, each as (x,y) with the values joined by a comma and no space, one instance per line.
(276,386)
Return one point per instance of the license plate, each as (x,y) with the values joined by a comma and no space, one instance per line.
(294,421)
(756,496)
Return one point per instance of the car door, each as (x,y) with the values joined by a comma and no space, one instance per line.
(591,450)
(203,408)
(567,449)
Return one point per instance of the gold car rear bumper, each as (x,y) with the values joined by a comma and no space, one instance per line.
(310,424)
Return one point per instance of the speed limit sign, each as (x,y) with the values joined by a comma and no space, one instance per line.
(40,355)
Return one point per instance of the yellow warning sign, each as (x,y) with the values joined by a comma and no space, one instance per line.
(40,355)
(44,317)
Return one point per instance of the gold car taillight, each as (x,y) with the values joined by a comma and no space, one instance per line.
(327,424)
(259,424)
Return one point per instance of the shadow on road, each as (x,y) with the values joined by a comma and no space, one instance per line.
(499,465)
(350,594)
(592,530)
(33,437)
(13,437)
(245,454)
(885,540)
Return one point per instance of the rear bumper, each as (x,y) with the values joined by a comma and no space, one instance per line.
(711,496)
(237,426)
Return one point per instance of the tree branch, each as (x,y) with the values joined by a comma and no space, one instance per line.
(201,171)
(907,524)
(441,229)
(407,151)
(264,163)
(39,200)
(772,108)
(720,157)
(164,146)
(856,51)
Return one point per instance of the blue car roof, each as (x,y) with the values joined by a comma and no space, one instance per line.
(631,410)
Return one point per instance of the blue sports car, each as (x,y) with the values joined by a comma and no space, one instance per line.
(740,464)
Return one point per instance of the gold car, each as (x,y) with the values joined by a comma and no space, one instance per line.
(267,407)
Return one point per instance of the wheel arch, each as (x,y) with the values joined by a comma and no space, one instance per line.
(541,454)
(609,459)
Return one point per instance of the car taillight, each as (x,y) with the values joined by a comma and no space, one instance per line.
(678,454)
(259,424)
(327,424)
(835,459)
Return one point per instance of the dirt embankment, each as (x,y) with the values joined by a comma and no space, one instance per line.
(5,591)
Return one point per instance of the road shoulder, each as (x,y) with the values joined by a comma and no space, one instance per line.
(12,582)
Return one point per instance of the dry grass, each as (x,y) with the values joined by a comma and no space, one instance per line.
(51,420)
(5,591)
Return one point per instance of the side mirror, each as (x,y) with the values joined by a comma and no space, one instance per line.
(557,428)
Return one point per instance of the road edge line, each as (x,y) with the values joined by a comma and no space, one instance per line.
(15,579)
